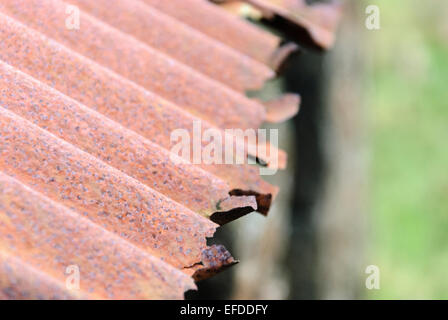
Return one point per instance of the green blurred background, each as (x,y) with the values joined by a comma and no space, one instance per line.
(408,123)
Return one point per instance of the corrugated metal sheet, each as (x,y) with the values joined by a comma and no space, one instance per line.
(198,95)
(319,19)
(86,176)
(136,61)
(47,237)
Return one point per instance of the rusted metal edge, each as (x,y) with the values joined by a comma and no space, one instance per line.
(281,55)
(23,279)
(222,26)
(20,281)
(320,20)
(101,193)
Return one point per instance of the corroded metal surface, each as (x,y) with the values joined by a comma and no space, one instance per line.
(214,260)
(20,280)
(227,114)
(222,26)
(62,238)
(283,108)
(136,61)
(101,193)
(98,88)
(86,173)
(104,139)
(181,42)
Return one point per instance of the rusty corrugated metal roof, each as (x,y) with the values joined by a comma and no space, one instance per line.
(86,175)
(140,63)
(47,237)
(199,95)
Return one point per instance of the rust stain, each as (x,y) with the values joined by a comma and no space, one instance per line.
(20,280)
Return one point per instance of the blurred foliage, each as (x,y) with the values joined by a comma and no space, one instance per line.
(408,109)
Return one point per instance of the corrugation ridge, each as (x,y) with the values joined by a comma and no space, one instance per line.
(104,138)
(220,25)
(111,94)
(112,193)
(62,226)
(155,71)
(181,42)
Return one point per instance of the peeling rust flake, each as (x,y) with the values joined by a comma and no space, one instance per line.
(214,260)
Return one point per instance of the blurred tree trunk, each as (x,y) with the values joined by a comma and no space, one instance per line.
(311,245)
(313,248)
(340,215)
